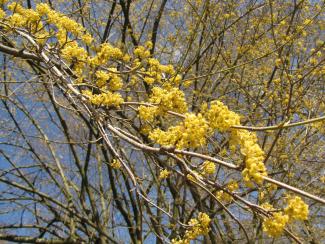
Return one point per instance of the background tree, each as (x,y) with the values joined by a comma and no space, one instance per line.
(162,121)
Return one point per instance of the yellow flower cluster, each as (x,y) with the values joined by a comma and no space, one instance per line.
(169,99)
(106,99)
(116,164)
(43,9)
(17,20)
(165,100)
(194,176)
(64,24)
(220,117)
(102,78)
(254,156)
(72,51)
(156,66)
(28,14)
(59,24)
(76,55)
(2,14)
(296,209)
(105,53)
(164,174)
(199,226)
(143,51)
(28,18)
(275,225)
(147,113)
(224,196)
(155,71)
(208,168)
(189,133)
(267,206)
(114,81)
(149,80)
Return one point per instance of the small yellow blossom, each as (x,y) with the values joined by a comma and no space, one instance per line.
(2,14)
(43,8)
(199,226)
(147,113)
(141,52)
(17,20)
(275,224)
(208,168)
(105,53)
(87,38)
(296,209)
(224,196)
(114,81)
(102,78)
(164,174)
(255,169)
(220,117)
(72,51)
(116,164)
(191,132)
(193,176)
(168,100)
(149,80)
(107,99)
(267,206)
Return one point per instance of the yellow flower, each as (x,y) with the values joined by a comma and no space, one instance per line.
(102,78)
(296,209)
(141,52)
(149,80)
(116,164)
(255,169)
(224,196)
(43,8)
(267,206)
(191,132)
(278,62)
(232,185)
(208,167)
(147,113)
(72,51)
(164,174)
(199,226)
(2,14)
(107,99)
(17,20)
(115,82)
(220,117)
(168,99)
(87,38)
(105,53)
(193,177)
(275,225)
